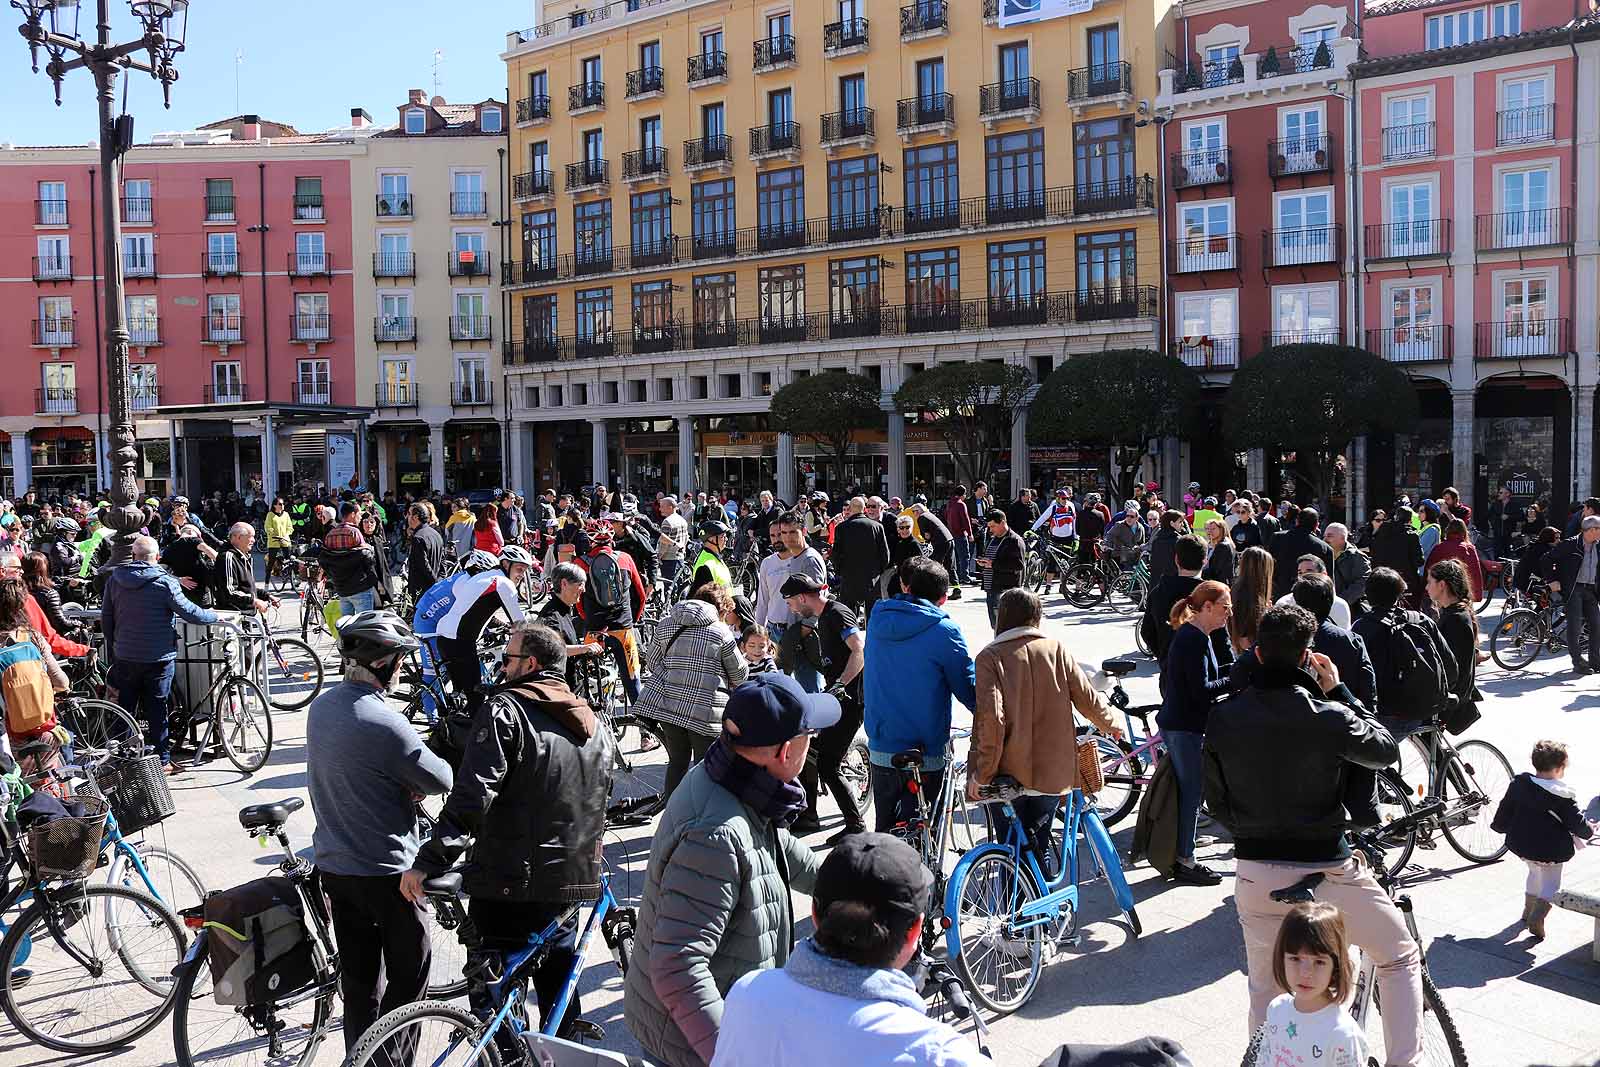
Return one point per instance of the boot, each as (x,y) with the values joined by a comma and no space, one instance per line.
(1538,910)
(1528,901)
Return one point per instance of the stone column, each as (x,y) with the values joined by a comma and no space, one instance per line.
(785,465)
(1583,461)
(269,458)
(172,455)
(21,464)
(600,458)
(1462,440)
(687,463)
(238,467)
(1020,466)
(385,461)
(1255,465)
(1358,482)
(436,456)
(897,455)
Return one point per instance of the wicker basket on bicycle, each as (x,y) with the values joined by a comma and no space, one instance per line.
(137,789)
(68,848)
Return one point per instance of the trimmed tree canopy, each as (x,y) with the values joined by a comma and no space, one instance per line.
(976,405)
(827,409)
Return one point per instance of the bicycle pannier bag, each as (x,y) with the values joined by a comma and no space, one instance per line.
(25,694)
(259,948)
(607,582)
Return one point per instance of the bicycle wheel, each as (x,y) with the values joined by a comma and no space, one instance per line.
(1122,769)
(426,1032)
(176,883)
(999,962)
(131,942)
(244,723)
(447,971)
(294,671)
(1441,1042)
(1516,639)
(281,1034)
(1140,643)
(1394,802)
(95,725)
(1127,594)
(856,770)
(1474,782)
(638,775)
(1033,574)
(1082,586)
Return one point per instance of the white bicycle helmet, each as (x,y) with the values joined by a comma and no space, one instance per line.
(478,560)
(514,554)
(374,637)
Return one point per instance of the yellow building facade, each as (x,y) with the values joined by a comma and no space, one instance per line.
(712,197)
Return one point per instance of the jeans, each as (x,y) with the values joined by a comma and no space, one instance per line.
(143,690)
(506,927)
(991,598)
(803,672)
(827,753)
(358,602)
(963,560)
(1183,747)
(894,804)
(1037,815)
(669,569)
(384,951)
(1583,607)
(684,749)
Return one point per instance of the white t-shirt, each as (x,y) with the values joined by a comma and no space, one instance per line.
(1326,1038)
(1339,616)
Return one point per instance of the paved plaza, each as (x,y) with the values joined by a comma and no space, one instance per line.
(1515,1003)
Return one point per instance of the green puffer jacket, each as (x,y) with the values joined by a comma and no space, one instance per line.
(716,907)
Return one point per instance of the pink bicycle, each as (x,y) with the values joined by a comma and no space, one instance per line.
(1127,764)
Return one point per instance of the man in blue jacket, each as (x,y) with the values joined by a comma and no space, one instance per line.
(141,602)
(916,661)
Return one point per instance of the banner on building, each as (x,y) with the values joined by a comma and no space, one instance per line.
(342,460)
(1018,12)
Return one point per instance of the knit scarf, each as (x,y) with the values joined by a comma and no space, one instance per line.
(782,802)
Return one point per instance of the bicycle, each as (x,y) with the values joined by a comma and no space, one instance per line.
(1527,626)
(431,1032)
(932,829)
(1441,1041)
(638,789)
(999,901)
(1127,764)
(314,624)
(1468,780)
(287,663)
(1497,574)
(1043,560)
(240,719)
(1088,584)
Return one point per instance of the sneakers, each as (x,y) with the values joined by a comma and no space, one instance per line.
(1195,874)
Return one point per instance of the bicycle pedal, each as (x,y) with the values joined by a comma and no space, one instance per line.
(583,1030)
(1427,842)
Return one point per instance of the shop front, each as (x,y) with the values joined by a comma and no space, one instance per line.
(1522,437)
(1086,468)
(410,452)
(648,450)
(472,457)
(62,459)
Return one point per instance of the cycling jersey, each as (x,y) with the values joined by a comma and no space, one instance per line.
(1063,520)
(458,606)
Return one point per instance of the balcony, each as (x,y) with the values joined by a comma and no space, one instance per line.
(1205,252)
(531,109)
(597,258)
(58,332)
(854,128)
(1524,338)
(394,329)
(536,349)
(1408,240)
(991,12)
(144,332)
(657,337)
(137,210)
(774,53)
(1193,76)
(868,225)
(1301,246)
(645,83)
(599,344)
(1412,141)
(1102,83)
(1114,302)
(308,207)
(1016,99)
(469,204)
(927,18)
(1412,344)
(311,327)
(396,395)
(1525,125)
(588,174)
(532,185)
(708,68)
(1300,155)
(312,393)
(222,329)
(1274,338)
(469,263)
(472,393)
(1200,167)
(716,244)
(864,318)
(138,264)
(659,252)
(930,217)
(846,38)
(940,316)
(1029,309)
(143,397)
(226,393)
(1532,228)
(395,206)
(1293,60)
(56,268)
(934,113)
(530,270)
(394,264)
(1132,193)
(585,97)
(781,236)
(703,153)
(219,208)
(1027,205)
(645,164)
(56,400)
(50,212)
(1207,352)
(219,264)
(471,327)
(787,329)
(310,265)
(774,139)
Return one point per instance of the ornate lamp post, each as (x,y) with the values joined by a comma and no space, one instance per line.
(53,26)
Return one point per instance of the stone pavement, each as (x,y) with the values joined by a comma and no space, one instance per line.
(1515,1003)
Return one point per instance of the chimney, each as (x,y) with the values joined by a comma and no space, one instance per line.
(359,118)
(250,127)
(417,97)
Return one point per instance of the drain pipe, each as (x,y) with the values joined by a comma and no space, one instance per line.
(1578,492)
(102,463)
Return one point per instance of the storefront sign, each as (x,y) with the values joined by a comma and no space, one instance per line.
(1018,12)
(342,460)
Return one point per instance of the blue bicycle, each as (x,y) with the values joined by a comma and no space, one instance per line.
(1003,911)
(438,1034)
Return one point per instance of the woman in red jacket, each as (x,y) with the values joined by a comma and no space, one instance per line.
(486,532)
(1456,546)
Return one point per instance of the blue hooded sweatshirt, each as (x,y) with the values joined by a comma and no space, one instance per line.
(141,601)
(916,660)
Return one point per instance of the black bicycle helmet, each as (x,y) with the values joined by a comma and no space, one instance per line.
(374,637)
(714,528)
(65,527)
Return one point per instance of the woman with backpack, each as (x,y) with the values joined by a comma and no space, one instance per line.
(1451,593)
(30,713)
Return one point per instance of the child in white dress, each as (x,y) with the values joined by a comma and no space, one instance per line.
(1308,1025)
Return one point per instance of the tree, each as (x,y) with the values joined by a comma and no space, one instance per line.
(826,409)
(1120,398)
(1314,399)
(976,405)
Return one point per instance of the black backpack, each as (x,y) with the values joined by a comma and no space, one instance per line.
(1418,687)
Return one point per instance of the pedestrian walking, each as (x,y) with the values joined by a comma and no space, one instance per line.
(1539,816)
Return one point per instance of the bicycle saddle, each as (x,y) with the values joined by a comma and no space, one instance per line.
(269,816)
(1118,667)
(911,757)
(1302,892)
(447,884)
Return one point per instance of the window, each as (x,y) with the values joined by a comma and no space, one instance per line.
(472,380)
(1412,228)
(779,28)
(853,198)
(1105,56)
(308,199)
(855,291)
(1526,113)
(1302,146)
(710,48)
(1475,24)
(219,199)
(853,103)
(1016,273)
(1506,19)
(1014,164)
(932,187)
(1306,41)
(60,392)
(1014,69)
(591,225)
(539,322)
(780,112)
(729,386)
(395,382)
(711,206)
(311,317)
(466,193)
(650,142)
(1525,327)
(783,295)
(1408,127)
(312,384)
(930,89)
(416,120)
(539,85)
(222,253)
(933,277)
(594,145)
(1304,233)
(714,307)
(144,392)
(1103,168)
(138,255)
(650,58)
(394,254)
(652,312)
(652,223)
(394,194)
(223,321)
(1525,218)
(1208,329)
(591,72)
(1203,143)
(227,382)
(594,316)
(137,200)
(467,257)
(55,320)
(538,244)
(1306,315)
(395,322)
(489,120)
(713,123)
(1106,266)
(141,315)
(52,204)
(1208,241)
(1413,331)
(310,254)
(55,257)
(780,206)
(471,319)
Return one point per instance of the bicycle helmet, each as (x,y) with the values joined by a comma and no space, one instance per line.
(374,638)
(65,527)
(478,560)
(714,528)
(515,554)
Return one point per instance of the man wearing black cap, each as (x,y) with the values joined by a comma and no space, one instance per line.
(843,996)
(828,637)
(716,902)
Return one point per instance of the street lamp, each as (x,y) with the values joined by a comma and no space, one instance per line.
(53,26)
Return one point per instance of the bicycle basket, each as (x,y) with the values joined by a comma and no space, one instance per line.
(69,848)
(1091,777)
(138,792)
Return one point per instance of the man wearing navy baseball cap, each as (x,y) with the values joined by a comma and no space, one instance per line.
(716,902)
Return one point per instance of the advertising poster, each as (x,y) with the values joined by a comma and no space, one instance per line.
(1018,12)
(341,460)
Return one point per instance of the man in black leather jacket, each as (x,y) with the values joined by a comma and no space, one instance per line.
(1288,819)
(426,553)
(234,581)
(860,554)
(528,807)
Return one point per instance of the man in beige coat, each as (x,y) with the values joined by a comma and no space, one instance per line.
(1023,726)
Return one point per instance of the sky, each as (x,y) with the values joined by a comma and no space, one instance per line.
(299,66)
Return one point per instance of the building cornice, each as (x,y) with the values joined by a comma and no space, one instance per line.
(559,31)
(1586,29)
